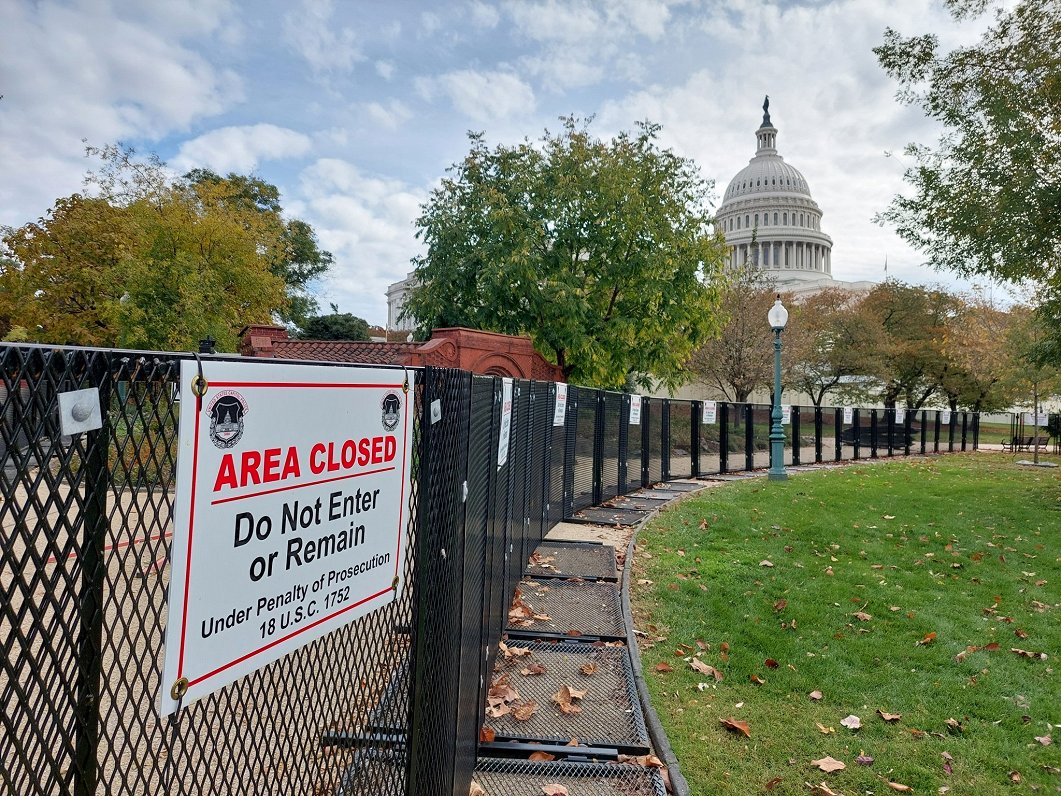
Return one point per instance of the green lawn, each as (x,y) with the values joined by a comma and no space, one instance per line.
(965,547)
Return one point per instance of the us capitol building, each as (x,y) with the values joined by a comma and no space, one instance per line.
(770,220)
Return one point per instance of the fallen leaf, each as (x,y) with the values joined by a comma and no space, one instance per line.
(476,789)
(664,667)
(780,605)
(953,724)
(815,696)
(770,663)
(828,764)
(1014,776)
(861,616)
(852,722)
(766,563)
(900,787)
(645,761)
(724,646)
(822,789)
(928,639)
(1028,654)
(532,669)
(487,735)
(1045,740)
(864,760)
(773,783)
(541,757)
(554,790)
(736,726)
(1020,633)
(889,716)
(704,668)
(565,699)
(588,668)
(823,729)
(524,711)
(757,679)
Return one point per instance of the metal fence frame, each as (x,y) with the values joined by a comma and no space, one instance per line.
(393,701)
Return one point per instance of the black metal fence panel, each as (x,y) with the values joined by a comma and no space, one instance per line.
(390,703)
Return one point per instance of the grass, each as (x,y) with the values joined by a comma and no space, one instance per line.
(963,546)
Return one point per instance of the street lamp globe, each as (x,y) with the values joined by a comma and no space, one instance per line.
(778,315)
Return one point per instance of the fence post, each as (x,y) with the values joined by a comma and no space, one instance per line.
(907,433)
(889,415)
(723,437)
(93,572)
(838,431)
(976,431)
(598,445)
(795,436)
(749,438)
(817,434)
(937,427)
(624,442)
(697,413)
(646,436)
(665,439)
(856,433)
(873,439)
(965,429)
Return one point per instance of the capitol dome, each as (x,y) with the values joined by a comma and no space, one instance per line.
(770,219)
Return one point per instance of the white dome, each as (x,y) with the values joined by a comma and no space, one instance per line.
(770,219)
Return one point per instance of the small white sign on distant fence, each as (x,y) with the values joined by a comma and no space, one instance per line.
(506,422)
(900,416)
(560,408)
(944,417)
(710,413)
(786,414)
(849,414)
(635,410)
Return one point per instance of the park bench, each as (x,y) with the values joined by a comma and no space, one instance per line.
(1024,443)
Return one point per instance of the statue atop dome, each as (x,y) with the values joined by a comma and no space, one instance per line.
(766,112)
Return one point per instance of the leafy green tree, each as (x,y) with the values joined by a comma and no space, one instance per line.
(740,358)
(827,342)
(152,262)
(337,326)
(985,196)
(601,251)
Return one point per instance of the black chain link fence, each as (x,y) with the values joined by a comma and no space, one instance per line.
(390,703)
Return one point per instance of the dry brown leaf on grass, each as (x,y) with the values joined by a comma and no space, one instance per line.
(928,639)
(773,783)
(815,696)
(900,787)
(780,605)
(663,667)
(1042,656)
(862,616)
(864,760)
(828,764)
(757,679)
(1044,740)
(699,666)
(736,726)
(822,789)
(823,729)
(852,722)
(889,716)
(770,663)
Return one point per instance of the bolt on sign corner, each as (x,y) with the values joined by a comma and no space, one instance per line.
(291,513)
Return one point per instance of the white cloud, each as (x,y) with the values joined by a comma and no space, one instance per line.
(483,16)
(72,72)
(241,149)
(481,96)
(385,69)
(390,115)
(311,31)
(367,223)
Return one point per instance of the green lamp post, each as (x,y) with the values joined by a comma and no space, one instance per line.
(778,317)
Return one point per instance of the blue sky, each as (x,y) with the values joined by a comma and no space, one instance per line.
(355,109)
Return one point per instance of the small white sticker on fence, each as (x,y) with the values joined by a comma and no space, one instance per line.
(710,412)
(786,414)
(944,417)
(849,414)
(506,422)
(560,408)
(635,410)
(290,514)
(900,416)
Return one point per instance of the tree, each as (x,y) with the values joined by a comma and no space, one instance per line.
(337,326)
(601,251)
(828,342)
(985,198)
(152,262)
(740,358)
(976,342)
(909,325)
